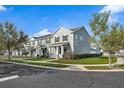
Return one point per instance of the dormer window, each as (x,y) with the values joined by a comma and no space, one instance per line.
(56,39)
(65,38)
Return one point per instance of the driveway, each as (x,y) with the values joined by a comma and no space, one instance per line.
(31,77)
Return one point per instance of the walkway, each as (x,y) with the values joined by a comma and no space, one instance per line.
(73,67)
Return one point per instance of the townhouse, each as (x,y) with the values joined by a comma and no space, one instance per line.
(61,43)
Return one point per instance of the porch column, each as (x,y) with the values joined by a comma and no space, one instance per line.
(49,51)
(57,52)
(62,51)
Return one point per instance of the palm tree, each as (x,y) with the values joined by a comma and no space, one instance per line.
(11,39)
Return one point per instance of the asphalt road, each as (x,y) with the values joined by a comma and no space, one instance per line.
(31,77)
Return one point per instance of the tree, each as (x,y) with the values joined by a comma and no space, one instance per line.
(106,35)
(10,38)
(121,37)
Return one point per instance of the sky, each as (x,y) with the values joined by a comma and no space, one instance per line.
(45,19)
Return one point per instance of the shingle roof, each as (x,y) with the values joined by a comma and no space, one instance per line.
(77,28)
(44,36)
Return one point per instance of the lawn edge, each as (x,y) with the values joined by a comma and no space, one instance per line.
(119,70)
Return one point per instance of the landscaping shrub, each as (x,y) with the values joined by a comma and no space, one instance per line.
(43,56)
(78,56)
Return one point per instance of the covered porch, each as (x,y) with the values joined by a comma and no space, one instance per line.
(58,50)
(42,50)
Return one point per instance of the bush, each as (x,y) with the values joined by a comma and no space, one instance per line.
(25,53)
(43,56)
(78,56)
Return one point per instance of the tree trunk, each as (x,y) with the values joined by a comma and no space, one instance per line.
(9,54)
(109,58)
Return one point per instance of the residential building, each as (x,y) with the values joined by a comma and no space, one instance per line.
(60,43)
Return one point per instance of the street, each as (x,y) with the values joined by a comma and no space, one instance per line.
(32,77)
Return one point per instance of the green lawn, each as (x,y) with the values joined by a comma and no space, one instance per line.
(28,61)
(93,60)
(41,64)
(23,58)
(97,67)
(38,59)
(3,57)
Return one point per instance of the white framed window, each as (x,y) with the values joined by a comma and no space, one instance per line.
(65,37)
(76,42)
(76,36)
(56,39)
(81,38)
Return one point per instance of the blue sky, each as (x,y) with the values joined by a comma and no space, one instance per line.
(38,20)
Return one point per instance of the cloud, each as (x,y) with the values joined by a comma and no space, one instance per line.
(2,8)
(115,9)
(42,32)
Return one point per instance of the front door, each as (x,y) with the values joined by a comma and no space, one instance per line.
(44,51)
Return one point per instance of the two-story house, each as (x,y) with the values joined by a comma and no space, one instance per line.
(75,41)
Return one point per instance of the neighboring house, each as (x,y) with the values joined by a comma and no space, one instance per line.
(95,49)
(40,45)
(62,42)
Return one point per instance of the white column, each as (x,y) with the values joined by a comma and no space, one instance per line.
(57,52)
(49,51)
(62,51)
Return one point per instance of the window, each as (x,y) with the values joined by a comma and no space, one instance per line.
(56,39)
(81,38)
(76,36)
(43,41)
(65,38)
(48,40)
(76,43)
(33,42)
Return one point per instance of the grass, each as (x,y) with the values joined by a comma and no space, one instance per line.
(97,67)
(41,64)
(28,61)
(39,59)
(23,58)
(93,60)
(3,57)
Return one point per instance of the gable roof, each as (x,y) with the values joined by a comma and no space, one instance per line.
(71,29)
(80,28)
(76,28)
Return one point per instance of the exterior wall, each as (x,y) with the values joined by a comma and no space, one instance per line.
(63,31)
(83,45)
(17,53)
(43,42)
(60,33)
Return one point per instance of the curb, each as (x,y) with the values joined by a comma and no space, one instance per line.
(65,69)
(31,65)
